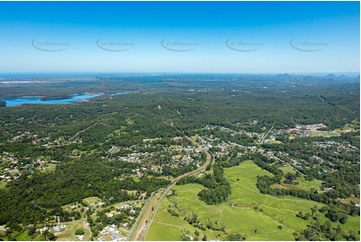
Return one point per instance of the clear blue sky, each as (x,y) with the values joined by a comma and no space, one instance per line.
(238,37)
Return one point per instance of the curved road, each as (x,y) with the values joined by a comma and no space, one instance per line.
(151,209)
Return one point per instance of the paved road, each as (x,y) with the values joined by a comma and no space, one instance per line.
(266,135)
(135,225)
(151,210)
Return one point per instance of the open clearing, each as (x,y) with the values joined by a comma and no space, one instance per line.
(301,184)
(333,133)
(69,232)
(2,184)
(50,168)
(92,200)
(288,169)
(249,212)
(326,134)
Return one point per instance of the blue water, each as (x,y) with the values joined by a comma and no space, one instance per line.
(12,102)
(118,93)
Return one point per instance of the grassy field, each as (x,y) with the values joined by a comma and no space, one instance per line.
(2,184)
(23,236)
(50,168)
(337,132)
(331,133)
(92,200)
(69,232)
(258,216)
(303,184)
(287,169)
(275,142)
(334,133)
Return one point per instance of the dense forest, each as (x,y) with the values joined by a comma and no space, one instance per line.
(140,141)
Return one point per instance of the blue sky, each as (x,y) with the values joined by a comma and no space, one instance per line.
(231,37)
